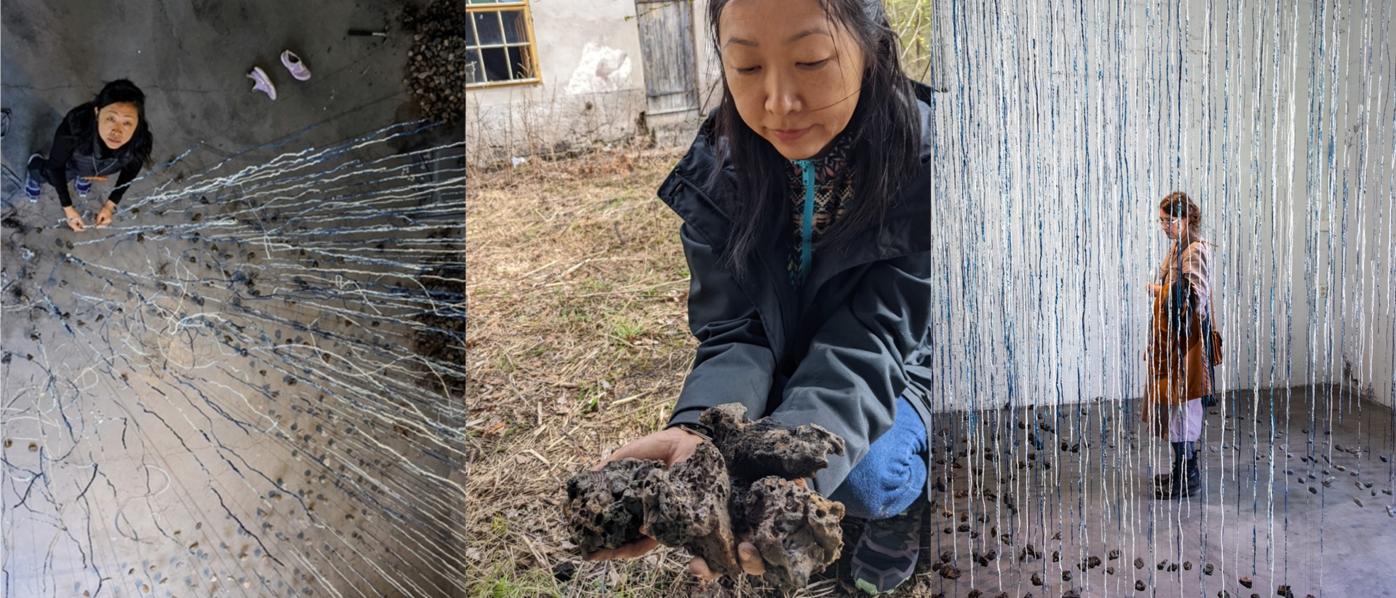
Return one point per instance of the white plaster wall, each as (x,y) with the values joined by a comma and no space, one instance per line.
(592,89)
(1365,149)
(1052,155)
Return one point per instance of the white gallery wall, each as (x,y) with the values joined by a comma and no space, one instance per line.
(1054,150)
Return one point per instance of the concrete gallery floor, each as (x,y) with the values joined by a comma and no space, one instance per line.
(1297,496)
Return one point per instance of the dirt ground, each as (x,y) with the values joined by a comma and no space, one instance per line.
(577,343)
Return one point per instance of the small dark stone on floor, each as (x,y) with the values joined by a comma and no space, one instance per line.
(1162,564)
(964,527)
(1246,581)
(1071,594)
(949,572)
(1138,563)
(1187,565)
(1056,557)
(1172,567)
(1114,554)
(1139,585)
(1066,576)
(1110,570)
(945,556)
(1036,578)
(1313,490)
(1207,568)
(974,594)
(1092,562)
(1284,591)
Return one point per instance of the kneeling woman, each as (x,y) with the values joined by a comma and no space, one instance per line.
(805,202)
(106,136)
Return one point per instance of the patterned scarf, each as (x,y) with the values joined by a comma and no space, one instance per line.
(832,194)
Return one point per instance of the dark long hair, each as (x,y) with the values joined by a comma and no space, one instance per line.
(884,132)
(84,125)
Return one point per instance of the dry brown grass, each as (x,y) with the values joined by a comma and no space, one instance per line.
(577,343)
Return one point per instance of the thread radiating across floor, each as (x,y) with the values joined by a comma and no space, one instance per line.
(251,384)
(1061,127)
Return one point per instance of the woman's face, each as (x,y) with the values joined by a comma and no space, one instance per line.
(116,123)
(795,75)
(1173,227)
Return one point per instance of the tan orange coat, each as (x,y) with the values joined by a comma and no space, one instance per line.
(1179,369)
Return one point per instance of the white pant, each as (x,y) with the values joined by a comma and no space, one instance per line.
(1185,422)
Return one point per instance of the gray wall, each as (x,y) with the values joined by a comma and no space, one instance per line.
(1055,147)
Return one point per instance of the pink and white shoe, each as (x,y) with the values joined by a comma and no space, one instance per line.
(293,63)
(262,83)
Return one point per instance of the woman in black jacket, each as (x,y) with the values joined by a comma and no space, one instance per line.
(106,136)
(805,202)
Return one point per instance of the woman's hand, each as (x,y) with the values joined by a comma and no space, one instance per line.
(104,215)
(670,446)
(747,555)
(74,219)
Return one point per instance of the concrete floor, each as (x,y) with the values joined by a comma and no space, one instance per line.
(191,59)
(223,394)
(1312,509)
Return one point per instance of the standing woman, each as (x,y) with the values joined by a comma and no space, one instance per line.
(1180,347)
(105,136)
(805,202)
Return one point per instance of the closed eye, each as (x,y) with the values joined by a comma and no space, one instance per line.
(747,70)
(812,65)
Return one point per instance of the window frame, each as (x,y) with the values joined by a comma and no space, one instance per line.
(473,8)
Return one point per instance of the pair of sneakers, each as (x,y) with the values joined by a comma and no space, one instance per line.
(293,63)
(33,186)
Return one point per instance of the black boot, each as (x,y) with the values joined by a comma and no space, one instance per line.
(1185,479)
(1163,481)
